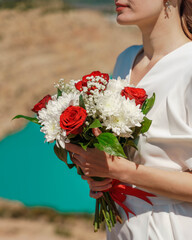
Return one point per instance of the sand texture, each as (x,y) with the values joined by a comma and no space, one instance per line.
(18,222)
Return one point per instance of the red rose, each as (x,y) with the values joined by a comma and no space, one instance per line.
(78,86)
(94,74)
(138,94)
(41,104)
(86,78)
(72,119)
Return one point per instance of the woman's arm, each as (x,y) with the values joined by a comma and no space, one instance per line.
(171,184)
(176,185)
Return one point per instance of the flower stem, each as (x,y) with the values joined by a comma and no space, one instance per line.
(112,218)
(106,214)
(96,220)
(112,208)
(117,215)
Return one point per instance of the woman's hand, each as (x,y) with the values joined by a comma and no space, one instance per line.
(96,187)
(94,162)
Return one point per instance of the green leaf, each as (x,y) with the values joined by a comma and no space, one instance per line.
(148,104)
(132,143)
(34,120)
(62,155)
(136,132)
(95,124)
(84,145)
(81,102)
(145,125)
(86,133)
(108,143)
(59,92)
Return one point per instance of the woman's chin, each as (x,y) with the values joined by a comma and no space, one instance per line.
(124,21)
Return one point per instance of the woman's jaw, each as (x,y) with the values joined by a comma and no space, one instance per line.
(135,12)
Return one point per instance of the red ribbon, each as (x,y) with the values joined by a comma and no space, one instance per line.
(119,191)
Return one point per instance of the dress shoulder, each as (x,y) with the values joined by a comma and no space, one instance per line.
(125,60)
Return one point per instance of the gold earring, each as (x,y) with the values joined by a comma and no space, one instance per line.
(167,4)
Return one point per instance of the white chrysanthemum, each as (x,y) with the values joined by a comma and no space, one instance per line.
(107,104)
(114,85)
(118,84)
(119,114)
(49,117)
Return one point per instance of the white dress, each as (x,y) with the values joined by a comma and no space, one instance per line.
(167,145)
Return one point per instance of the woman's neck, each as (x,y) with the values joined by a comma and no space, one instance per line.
(157,43)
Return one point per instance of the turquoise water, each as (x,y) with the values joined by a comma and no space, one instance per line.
(31,173)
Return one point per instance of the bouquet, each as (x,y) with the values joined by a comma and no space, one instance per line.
(96,101)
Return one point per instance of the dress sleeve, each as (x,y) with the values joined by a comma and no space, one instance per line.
(116,68)
(124,61)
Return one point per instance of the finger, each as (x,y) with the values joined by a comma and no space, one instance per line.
(87,178)
(100,188)
(95,195)
(96,131)
(75,149)
(78,163)
(80,159)
(71,156)
(101,183)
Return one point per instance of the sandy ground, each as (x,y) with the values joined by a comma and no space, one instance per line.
(11,229)
(38,49)
(20,223)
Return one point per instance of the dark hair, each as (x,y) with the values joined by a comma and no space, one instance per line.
(186,17)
